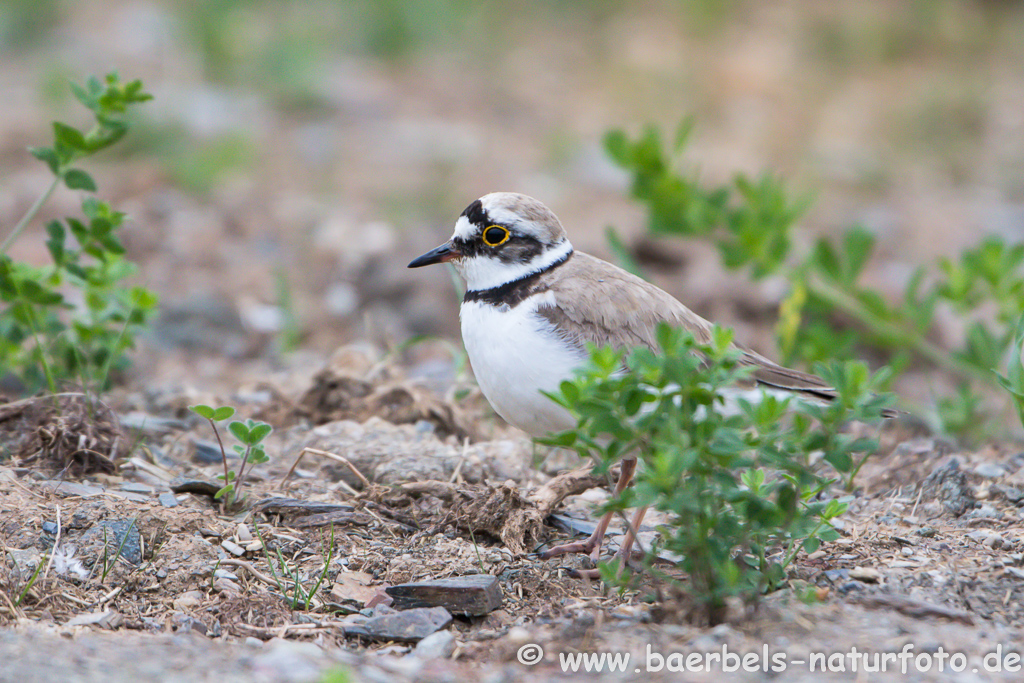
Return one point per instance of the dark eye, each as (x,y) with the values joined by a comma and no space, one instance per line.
(495,235)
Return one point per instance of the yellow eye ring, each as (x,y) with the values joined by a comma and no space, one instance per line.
(495,235)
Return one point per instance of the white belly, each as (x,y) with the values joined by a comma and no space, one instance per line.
(516,354)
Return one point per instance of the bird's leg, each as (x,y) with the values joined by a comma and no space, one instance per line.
(592,546)
(626,548)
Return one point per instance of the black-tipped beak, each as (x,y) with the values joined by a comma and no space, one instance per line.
(443,253)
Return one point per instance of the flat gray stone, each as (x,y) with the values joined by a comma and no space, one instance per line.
(409,626)
(472,595)
(168,499)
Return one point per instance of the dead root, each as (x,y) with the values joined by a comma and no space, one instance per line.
(350,387)
(498,511)
(70,432)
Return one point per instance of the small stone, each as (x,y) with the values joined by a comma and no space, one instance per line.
(168,499)
(121,537)
(985,537)
(409,626)
(948,485)
(985,511)
(225,574)
(866,574)
(232,548)
(1013,494)
(136,487)
(50,528)
(251,641)
(254,546)
(438,645)
(473,595)
(201,487)
(108,619)
(927,532)
(518,635)
(188,600)
(989,470)
(353,587)
(243,533)
(835,575)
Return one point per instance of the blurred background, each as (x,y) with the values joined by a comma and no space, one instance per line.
(297,155)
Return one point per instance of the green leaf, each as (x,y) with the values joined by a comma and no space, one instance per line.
(77,179)
(56,242)
(47,155)
(258,432)
(858,244)
(202,410)
(222,413)
(71,138)
(240,431)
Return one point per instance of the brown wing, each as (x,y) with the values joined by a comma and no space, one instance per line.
(600,303)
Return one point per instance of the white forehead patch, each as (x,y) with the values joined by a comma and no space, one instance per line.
(464,229)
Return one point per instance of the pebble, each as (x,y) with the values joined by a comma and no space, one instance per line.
(438,645)
(518,635)
(187,600)
(121,537)
(168,499)
(232,547)
(989,470)
(866,574)
(411,625)
(243,533)
(837,574)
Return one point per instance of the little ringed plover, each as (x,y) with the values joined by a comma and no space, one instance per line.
(533,303)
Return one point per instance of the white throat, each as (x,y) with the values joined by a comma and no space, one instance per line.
(482,272)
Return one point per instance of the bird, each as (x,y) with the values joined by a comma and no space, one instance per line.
(532,305)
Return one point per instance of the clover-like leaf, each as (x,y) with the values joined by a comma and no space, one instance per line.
(77,179)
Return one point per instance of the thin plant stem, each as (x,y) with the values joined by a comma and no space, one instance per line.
(29,215)
(849,304)
(223,453)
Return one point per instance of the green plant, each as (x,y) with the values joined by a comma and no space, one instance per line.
(297,594)
(46,334)
(1013,380)
(251,435)
(31,581)
(737,480)
(751,222)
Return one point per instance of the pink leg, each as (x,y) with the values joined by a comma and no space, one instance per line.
(622,556)
(634,525)
(592,546)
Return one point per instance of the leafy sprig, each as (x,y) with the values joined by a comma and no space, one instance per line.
(751,222)
(250,449)
(49,335)
(734,474)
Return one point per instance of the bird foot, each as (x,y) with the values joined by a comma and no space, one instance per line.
(587,547)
